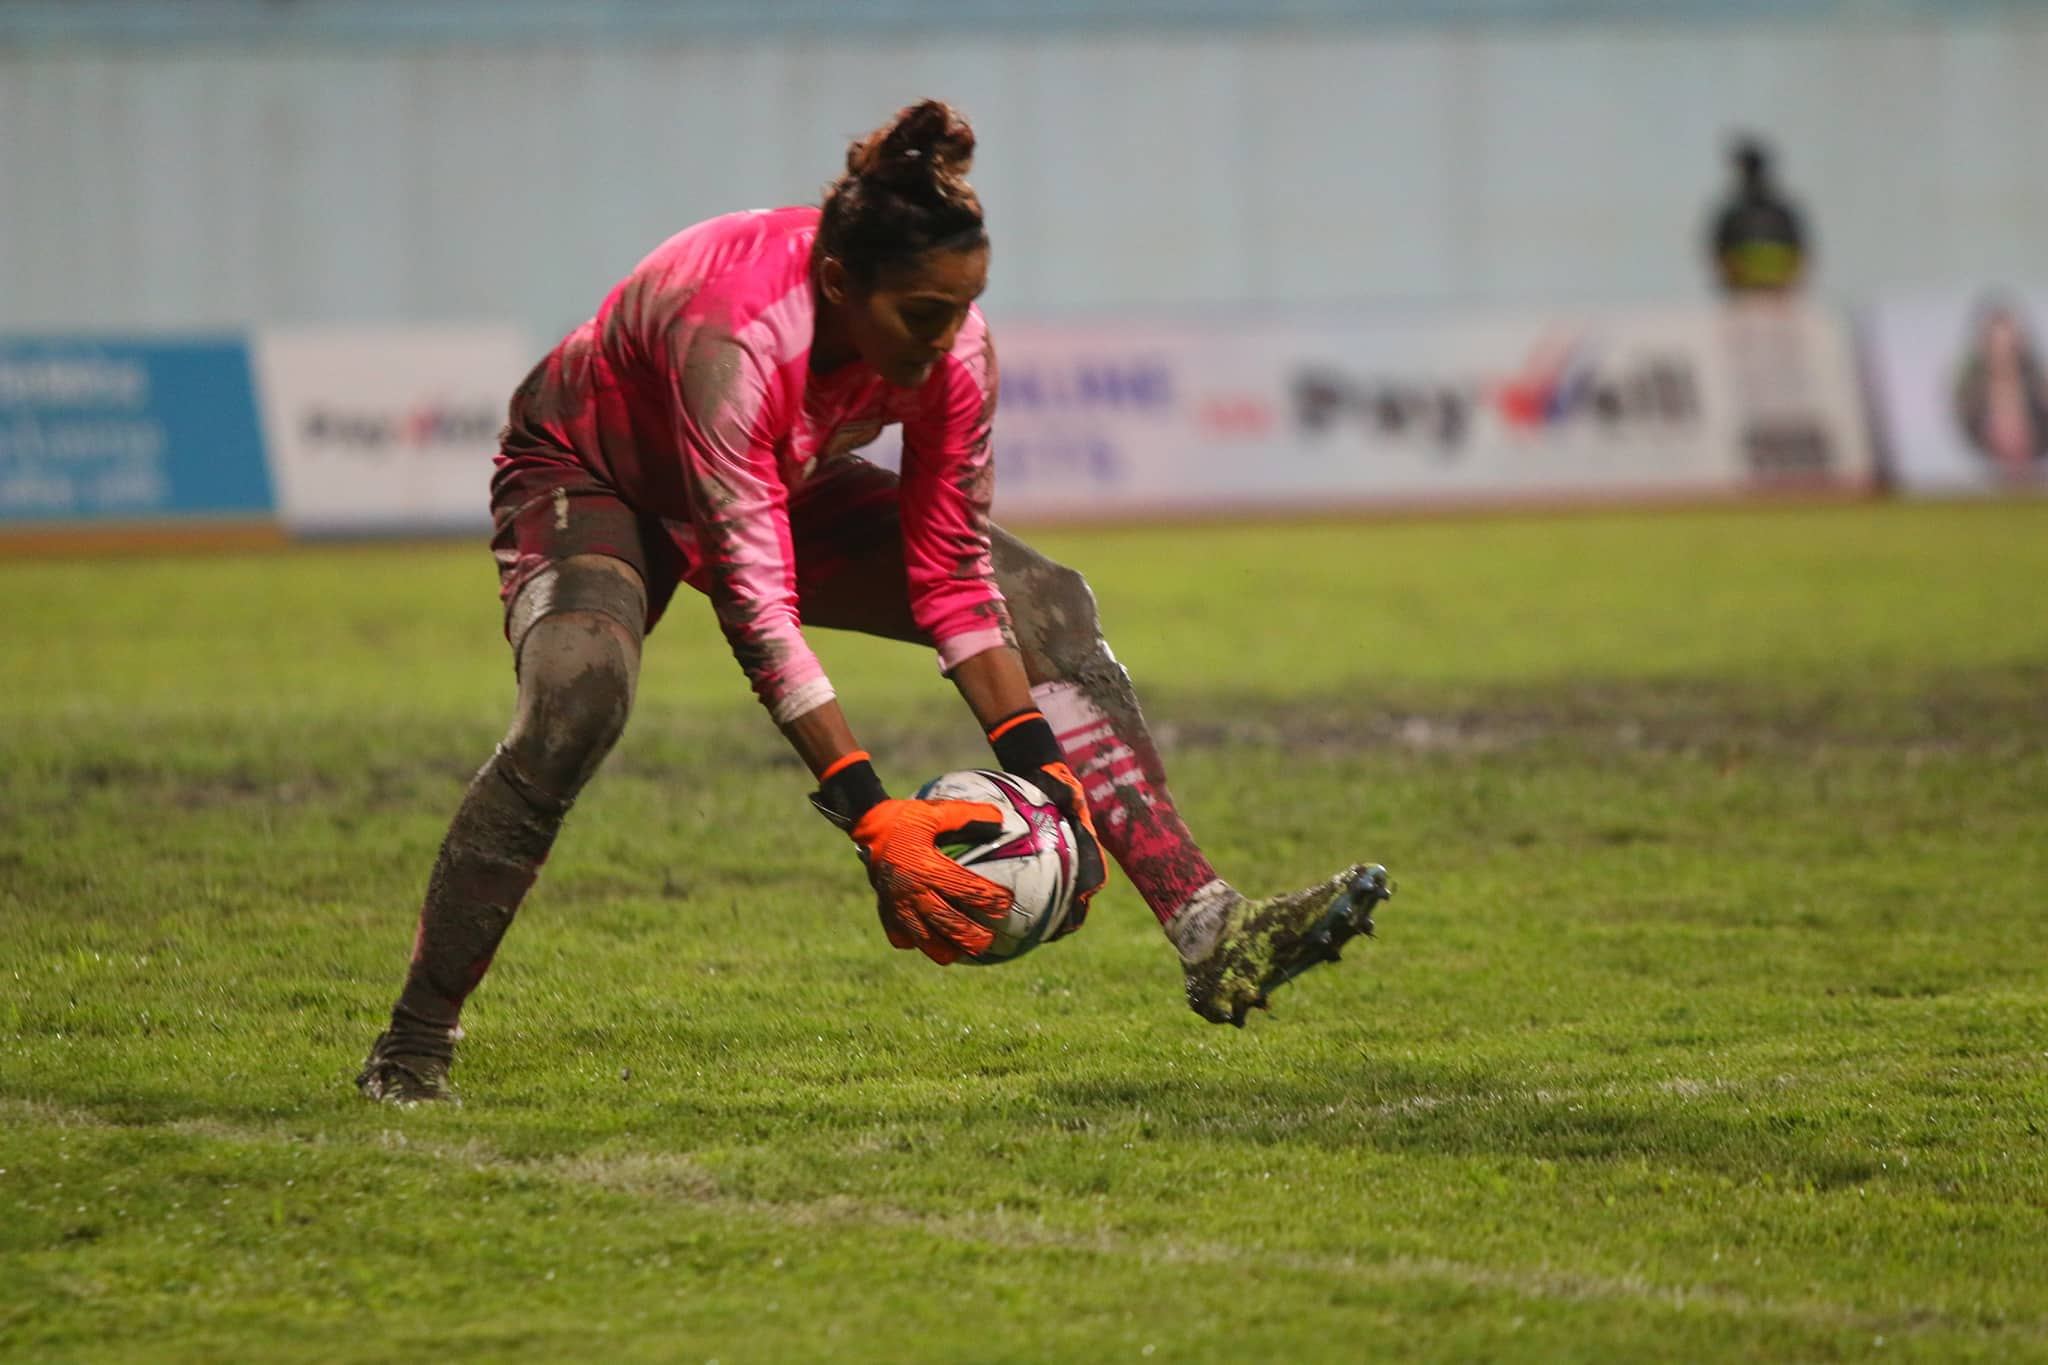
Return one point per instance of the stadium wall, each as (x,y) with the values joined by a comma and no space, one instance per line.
(513,21)
(213,183)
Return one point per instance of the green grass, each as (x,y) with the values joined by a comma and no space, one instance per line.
(1711,1020)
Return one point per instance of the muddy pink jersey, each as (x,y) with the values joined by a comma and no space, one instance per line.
(690,394)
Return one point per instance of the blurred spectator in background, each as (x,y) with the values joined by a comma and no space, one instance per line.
(1759,241)
(2002,393)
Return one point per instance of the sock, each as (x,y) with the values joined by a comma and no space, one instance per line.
(495,847)
(1126,785)
(1199,923)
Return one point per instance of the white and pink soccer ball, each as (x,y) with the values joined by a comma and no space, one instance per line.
(1034,857)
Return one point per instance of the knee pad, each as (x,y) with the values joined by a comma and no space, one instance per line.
(578,663)
(571,586)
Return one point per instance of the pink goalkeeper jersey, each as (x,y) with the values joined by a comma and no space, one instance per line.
(690,394)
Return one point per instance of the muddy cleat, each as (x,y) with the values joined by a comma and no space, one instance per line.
(1258,946)
(408,1069)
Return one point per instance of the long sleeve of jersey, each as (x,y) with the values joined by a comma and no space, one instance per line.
(727,412)
(689,394)
(948,479)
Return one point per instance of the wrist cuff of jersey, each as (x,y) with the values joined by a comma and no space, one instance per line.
(801,700)
(851,787)
(1024,742)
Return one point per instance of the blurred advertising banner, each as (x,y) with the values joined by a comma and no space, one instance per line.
(1962,389)
(120,429)
(386,430)
(392,430)
(1122,419)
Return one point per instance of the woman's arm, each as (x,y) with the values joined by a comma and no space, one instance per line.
(993,685)
(820,736)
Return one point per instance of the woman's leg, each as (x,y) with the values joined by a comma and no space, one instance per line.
(1235,950)
(1087,695)
(576,630)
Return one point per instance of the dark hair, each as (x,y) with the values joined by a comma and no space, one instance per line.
(904,193)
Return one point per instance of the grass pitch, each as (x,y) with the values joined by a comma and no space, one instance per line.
(1710,1020)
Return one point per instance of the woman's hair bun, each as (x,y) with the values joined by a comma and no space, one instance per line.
(905,192)
(928,143)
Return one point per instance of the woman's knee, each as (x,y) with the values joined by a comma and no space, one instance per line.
(577,671)
(1053,610)
(575,630)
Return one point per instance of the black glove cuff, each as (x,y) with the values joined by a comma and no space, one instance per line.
(1024,743)
(850,793)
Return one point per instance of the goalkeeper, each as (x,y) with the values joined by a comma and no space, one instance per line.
(700,429)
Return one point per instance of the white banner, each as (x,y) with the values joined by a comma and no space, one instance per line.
(386,429)
(375,430)
(1963,389)
(1202,416)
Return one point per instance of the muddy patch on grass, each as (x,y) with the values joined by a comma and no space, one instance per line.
(1994,717)
(140,781)
(1984,716)
(2001,716)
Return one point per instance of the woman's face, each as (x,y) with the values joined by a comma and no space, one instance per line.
(907,321)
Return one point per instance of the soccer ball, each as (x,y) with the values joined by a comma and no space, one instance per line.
(1034,858)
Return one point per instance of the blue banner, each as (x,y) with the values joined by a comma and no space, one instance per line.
(118,429)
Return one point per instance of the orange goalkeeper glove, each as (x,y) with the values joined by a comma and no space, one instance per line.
(925,900)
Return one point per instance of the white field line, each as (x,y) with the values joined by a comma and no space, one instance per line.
(675,1178)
